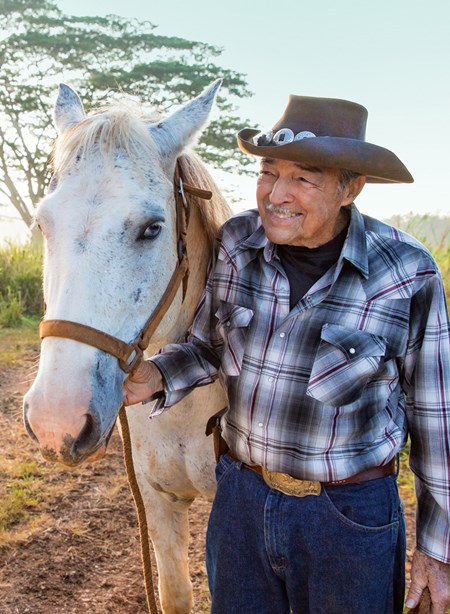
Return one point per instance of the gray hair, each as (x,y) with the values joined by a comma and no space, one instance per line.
(345,177)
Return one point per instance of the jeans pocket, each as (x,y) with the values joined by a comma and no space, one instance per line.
(223,467)
(373,506)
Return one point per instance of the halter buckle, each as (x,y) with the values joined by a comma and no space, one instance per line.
(134,359)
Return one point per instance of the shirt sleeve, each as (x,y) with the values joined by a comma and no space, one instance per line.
(195,361)
(427,389)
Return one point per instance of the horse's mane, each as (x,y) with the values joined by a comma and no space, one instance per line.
(212,212)
(119,128)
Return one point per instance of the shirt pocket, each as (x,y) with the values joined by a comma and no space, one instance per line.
(233,323)
(346,359)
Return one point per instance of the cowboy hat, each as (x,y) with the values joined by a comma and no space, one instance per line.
(326,132)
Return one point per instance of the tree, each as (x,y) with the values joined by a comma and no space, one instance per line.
(101,57)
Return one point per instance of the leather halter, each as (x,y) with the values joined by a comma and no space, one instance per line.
(130,355)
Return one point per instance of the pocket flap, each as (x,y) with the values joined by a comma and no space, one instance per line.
(234,316)
(353,343)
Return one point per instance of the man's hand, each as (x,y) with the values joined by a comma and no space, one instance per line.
(144,382)
(431,573)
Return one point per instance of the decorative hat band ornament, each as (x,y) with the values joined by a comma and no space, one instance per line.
(281,137)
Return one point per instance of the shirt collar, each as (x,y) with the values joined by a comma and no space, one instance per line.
(239,253)
(355,246)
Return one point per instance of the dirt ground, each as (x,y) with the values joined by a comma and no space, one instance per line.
(80,553)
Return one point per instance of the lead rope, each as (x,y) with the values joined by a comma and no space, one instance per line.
(140,510)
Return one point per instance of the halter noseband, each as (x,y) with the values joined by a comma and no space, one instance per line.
(130,355)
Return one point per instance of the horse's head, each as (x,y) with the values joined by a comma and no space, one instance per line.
(109,223)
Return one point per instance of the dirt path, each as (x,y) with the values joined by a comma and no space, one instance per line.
(80,553)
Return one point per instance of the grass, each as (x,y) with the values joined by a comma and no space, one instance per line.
(20,282)
(20,492)
(22,477)
(16,342)
(406,478)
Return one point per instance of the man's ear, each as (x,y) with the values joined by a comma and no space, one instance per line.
(352,189)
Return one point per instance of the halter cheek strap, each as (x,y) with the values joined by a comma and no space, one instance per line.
(130,355)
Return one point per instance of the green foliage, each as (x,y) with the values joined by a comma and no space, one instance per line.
(11,310)
(20,283)
(434,232)
(22,493)
(100,57)
(442,257)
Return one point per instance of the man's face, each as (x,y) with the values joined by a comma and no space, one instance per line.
(301,204)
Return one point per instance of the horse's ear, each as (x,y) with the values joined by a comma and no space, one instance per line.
(181,128)
(68,110)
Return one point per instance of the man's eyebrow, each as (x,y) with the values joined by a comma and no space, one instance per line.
(303,167)
(307,167)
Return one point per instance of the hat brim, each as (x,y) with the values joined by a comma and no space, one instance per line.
(378,164)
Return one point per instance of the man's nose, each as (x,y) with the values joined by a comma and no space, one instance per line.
(281,192)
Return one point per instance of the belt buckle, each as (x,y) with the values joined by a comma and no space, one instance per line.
(289,485)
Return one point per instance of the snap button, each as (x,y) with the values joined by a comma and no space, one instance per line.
(261,424)
(282,335)
(352,350)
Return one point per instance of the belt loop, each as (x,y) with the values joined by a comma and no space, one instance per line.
(397,465)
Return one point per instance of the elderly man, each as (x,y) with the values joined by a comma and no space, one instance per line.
(329,331)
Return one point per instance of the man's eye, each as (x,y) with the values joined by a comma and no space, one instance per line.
(306,181)
(151,231)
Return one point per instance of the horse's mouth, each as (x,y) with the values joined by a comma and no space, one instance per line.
(71,455)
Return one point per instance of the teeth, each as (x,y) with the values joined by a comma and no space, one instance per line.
(281,211)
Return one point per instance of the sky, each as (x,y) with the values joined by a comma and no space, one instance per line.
(392,56)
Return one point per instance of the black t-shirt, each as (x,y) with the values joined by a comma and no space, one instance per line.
(304,265)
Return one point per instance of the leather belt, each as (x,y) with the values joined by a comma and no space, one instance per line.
(289,485)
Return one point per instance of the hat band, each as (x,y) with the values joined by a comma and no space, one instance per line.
(281,137)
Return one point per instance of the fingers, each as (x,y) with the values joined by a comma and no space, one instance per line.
(413,598)
(429,592)
(142,384)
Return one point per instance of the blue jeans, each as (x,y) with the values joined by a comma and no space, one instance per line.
(341,552)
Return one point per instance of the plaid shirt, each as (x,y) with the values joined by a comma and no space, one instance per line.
(336,384)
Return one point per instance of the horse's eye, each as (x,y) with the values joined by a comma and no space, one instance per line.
(151,231)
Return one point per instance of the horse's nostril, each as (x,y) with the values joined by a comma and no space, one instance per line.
(88,438)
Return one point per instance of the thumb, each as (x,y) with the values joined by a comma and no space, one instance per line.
(414,595)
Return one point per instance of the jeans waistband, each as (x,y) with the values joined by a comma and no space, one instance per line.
(372,473)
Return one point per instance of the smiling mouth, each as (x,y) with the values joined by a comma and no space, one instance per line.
(281,212)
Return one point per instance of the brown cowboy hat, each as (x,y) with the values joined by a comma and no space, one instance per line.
(326,132)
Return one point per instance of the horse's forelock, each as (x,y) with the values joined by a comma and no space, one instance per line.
(105,132)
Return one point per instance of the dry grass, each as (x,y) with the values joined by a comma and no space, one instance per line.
(17,343)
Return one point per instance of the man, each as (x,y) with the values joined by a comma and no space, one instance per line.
(329,331)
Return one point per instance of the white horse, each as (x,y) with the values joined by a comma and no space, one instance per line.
(109,223)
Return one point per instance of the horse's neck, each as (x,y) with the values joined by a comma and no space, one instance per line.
(198,255)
